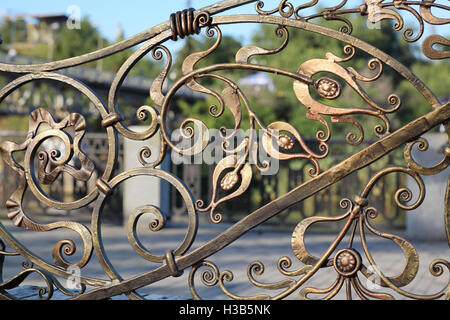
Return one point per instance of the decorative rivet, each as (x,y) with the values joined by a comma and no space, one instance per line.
(347,262)
(327,88)
(230,179)
(447,151)
(285,142)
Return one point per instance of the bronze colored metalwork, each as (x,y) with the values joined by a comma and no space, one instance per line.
(234,173)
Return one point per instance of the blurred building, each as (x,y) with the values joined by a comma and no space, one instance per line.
(27,30)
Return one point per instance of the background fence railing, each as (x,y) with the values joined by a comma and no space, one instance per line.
(263,188)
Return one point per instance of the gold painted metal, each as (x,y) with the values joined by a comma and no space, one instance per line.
(232,176)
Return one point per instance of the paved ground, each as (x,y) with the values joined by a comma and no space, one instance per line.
(264,245)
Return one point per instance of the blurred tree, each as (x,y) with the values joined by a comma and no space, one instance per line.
(12,31)
(281,103)
(71,43)
(436,75)
(74,42)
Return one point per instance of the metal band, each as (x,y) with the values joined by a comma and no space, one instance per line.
(361,201)
(170,260)
(111,120)
(103,186)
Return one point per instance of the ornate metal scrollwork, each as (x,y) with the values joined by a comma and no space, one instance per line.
(233,174)
(376,11)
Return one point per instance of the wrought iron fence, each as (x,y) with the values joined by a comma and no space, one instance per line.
(39,167)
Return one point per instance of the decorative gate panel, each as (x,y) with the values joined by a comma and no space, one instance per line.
(317,84)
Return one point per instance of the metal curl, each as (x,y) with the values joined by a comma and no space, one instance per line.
(332,290)
(209,277)
(156,90)
(257,267)
(228,276)
(422,145)
(66,247)
(371,212)
(244,53)
(410,269)
(363,291)
(437,267)
(144,152)
(402,195)
(281,9)
(132,222)
(71,293)
(312,3)
(285,262)
(347,28)
(155,225)
(395,101)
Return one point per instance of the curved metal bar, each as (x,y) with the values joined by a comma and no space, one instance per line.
(112,137)
(57,271)
(305,190)
(373,51)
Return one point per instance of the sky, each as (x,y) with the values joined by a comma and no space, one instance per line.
(135,16)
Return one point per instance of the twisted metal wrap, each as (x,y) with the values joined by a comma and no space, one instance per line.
(185,23)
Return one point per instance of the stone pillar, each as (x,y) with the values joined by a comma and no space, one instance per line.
(68,187)
(144,190)
(427,221)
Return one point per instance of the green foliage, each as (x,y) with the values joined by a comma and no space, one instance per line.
(74,42)
(14,123)
(436,76)
(71,43)
(12,31)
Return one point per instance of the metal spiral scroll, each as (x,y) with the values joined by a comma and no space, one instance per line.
(376,10)
(157,223)
(233,174)
(347,262)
